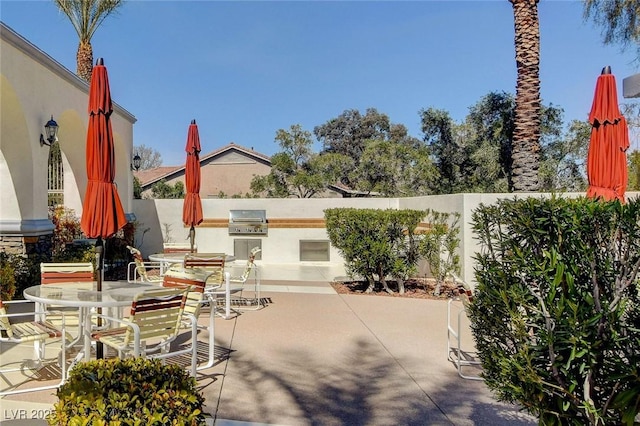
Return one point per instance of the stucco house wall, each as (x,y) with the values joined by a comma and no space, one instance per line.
(226,172)
(33,87)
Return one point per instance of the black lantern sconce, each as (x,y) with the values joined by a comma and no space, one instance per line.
(51,129)
(135,165)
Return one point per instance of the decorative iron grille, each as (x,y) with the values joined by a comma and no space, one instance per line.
(55,181)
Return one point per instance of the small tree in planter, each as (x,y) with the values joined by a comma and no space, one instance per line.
(555,314)
(439,245)
(133,391)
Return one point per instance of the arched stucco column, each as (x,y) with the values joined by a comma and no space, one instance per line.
(24,225)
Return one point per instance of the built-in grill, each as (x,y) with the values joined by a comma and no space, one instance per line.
(247,222)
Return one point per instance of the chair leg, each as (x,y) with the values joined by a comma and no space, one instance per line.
(454,354)
(62,359)
(194,346)
(211,343)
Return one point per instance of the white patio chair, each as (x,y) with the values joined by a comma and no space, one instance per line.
(218,284)
(237,283)
(34,330)
(143,271)
(196,300)
(153,325)
(58,273)
(456,353)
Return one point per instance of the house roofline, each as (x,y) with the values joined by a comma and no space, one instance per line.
(36,54)
(229,147)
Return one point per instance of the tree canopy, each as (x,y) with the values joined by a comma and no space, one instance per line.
(86,16)
(297,171)
(369,154)
(149,157)
(164,190)
(475,155)
(618,19)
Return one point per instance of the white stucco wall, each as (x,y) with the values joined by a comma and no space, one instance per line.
(163,218)
(33,86)
(282,245)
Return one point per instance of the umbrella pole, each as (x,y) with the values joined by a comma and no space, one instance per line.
(192,237)
(99,251)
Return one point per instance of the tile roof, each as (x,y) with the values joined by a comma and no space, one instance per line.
(155,174)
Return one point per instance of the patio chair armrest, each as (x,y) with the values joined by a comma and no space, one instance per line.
(193,324)
(15,302)
(33,314)
(126,324)
(191,318)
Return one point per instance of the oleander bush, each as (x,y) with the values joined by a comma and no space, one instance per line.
(556,311)
(133,391)
(377,244)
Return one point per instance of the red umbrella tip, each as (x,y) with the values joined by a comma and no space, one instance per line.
(606,70)
(193,121)
(100,61)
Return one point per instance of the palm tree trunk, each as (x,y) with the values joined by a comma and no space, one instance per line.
(84,61)
(526,133)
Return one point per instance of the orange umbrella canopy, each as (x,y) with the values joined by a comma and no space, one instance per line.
(192,208)
(102,213)
(607,158)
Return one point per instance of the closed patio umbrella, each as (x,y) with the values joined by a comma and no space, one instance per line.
(102,213)
(607,158)
(192,208)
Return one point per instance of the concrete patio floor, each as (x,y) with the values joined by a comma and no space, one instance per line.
(315,357)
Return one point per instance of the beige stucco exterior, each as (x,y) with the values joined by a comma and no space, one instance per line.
(33,87)
(226,172)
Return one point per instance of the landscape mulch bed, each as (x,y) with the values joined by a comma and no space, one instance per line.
(416,288)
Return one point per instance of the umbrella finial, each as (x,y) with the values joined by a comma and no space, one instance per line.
(100,61)
(193,121)
(606,70)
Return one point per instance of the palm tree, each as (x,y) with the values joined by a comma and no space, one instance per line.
(526,133)
(86,16)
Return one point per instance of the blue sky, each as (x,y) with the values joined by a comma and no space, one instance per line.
(245,69)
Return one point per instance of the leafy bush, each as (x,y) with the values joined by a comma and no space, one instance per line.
(66,230)
(69,247)
(556,315)
(133,391)
(162,189)
(376,243)
(439,245)
(7,278)
(17,273)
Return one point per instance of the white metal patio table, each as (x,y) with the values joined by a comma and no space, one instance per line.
(84,295)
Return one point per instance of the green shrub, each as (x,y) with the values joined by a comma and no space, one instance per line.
(439,245)
(25,273)
(375,243)
(7,278)
(555,313)
(133,391)
(66,230)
